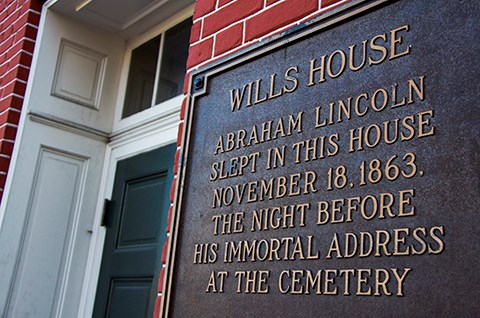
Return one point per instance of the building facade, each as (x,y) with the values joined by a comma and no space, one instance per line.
(93,102)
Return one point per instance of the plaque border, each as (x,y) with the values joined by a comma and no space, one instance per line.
(198,83)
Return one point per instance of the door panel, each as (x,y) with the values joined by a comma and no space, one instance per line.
(52,225)
(136,227)
(137,218)
(128,297)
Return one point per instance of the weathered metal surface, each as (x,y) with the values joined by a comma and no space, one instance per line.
(406,201)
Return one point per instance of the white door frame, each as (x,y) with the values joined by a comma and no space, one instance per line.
(164,134)
(150,129)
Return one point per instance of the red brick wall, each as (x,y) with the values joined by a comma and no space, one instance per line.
(221,27)
(19,21)
(224,26)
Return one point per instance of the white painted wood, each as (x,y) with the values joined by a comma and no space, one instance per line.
(156,110)
(48,241)
(153,128)
(21,234)
(61,155)
(126,18)
(79,74)
(57,29)
(162,133)
(43,263)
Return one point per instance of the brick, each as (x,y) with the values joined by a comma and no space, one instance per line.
(221,3)
(11,18)
(23,7)
(229,15)
(36,5)
(14,87)
(6,103)
(17,47)
(165,251)
(4,117)
(21,58)
(3,180)
(7,89)
(6,45)
(6,148)
(326,3)
(27,31)
(28,46)
(169,219)
(156,308)
(183,109)
(186,83)
(3,15)
(200,52)
(161,278)
(12,7)
(172,188)
(18,72)
(4,163)
(13,60)
(20,88)
(14,102)
(175,160)
(29,17)
(180,134)
(195,32)
(3,67)
(34,18)
(17,102)
(8,132)
(20,22)
(270,2)
(229,39)
(5,3)
(277,17)
(6,33)
(25,59)
(203,7)
(13,117)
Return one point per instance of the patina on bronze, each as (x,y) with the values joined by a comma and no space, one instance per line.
(334,171)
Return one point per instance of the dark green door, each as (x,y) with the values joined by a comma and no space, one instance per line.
(136,219)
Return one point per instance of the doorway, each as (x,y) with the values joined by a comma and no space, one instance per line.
(135,220)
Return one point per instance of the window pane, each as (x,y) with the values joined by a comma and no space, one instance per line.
(174,61)
(141,77)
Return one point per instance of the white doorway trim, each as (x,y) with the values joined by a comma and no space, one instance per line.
(150,129)
(153,128)
(162,133)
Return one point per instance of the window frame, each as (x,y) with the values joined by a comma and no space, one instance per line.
(156,111)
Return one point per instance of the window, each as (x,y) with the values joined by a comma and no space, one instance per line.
(157,69)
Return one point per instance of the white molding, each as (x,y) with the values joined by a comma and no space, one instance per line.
(120,124)
(135,41)
(143,13)
(144,138)
(67,125)
(154,113)
(24,112)
(91,84)
(157,127)
(71,228)
(146,128)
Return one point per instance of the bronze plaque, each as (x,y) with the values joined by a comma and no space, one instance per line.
(334,171)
